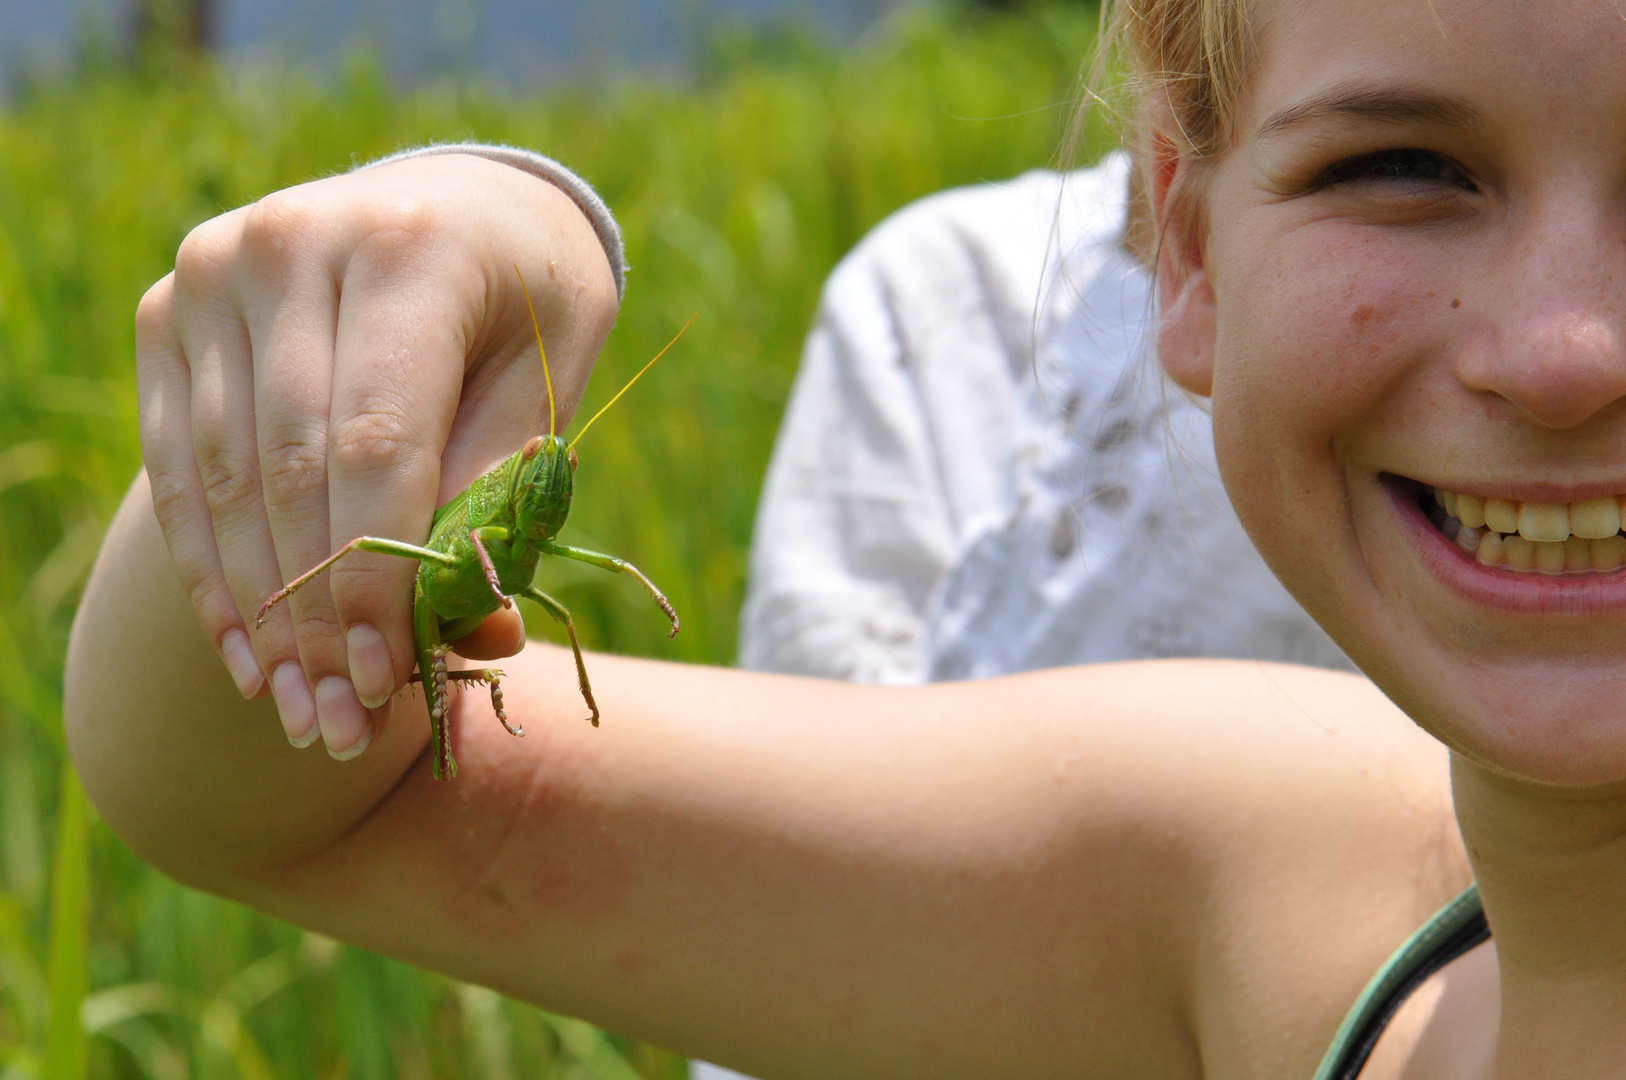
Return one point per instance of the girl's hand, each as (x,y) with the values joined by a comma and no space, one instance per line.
(334,361)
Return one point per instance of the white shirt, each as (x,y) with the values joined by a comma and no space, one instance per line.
(934,511)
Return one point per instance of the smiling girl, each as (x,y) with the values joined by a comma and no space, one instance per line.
(1391,249)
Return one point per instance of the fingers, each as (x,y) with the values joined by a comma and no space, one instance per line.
(216,344)
(164,387)
(286,288)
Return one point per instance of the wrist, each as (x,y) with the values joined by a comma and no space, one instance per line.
(547,169)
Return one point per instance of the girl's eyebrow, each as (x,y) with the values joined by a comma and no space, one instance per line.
(1363,101)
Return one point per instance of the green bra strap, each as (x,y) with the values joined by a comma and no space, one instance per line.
(1456,928)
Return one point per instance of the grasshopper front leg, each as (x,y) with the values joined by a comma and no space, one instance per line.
(617,566)
(478,537)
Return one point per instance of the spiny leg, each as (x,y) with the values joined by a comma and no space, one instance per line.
(562,614)
(478,538)
(618,566)
(491,677)
(376,544)
(431,652)
(444,766)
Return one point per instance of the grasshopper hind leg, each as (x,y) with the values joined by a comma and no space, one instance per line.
(442,764)
(432,672)
(493,679)
(439,685)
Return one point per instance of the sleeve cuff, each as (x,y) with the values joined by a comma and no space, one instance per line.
(544,168)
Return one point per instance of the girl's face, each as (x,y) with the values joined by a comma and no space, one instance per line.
(1413,276)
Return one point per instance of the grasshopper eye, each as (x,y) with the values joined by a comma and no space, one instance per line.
(573,461)
(531,448)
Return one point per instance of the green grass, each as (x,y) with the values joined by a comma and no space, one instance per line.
(738,193)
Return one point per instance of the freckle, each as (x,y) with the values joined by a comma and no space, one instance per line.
(629,960)
(1362,316)
(1456,303)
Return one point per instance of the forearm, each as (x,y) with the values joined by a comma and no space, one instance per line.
(199,781)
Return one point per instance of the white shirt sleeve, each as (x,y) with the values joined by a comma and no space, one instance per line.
(894,440)
(932,511)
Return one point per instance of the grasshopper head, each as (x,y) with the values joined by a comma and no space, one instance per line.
(543,486)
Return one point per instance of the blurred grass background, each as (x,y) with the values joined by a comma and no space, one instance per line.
(738,192)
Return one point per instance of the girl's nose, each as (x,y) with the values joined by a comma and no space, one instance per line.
(1559,365)
(1553,341)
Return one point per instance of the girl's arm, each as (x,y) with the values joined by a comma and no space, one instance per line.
(1116,870)
(1083,872)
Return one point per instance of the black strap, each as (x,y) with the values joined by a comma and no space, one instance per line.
(1471,934)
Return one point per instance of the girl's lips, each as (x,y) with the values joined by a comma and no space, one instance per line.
(1501,590)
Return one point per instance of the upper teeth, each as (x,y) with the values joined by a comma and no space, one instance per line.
(1591,519)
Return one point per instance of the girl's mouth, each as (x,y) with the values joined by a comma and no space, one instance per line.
(1578,538)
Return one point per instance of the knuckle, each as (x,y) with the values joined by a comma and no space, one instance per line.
(399,229)
(154,313)
(369,589)
(294,466)
(377,438)
(202,258)
(173,498)
(216,610)
(360,580)
(230,478)
(316,625)
(280,222)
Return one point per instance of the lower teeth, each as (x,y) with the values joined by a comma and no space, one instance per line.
(1514,552)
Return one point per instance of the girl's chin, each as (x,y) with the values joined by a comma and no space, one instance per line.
(1524,677)
(1524,674)
(1562,724)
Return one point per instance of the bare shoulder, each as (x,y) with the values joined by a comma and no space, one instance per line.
(1322,834)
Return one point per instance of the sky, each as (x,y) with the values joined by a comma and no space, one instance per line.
(514,41)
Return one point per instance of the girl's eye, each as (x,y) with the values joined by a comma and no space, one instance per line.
(1396,166)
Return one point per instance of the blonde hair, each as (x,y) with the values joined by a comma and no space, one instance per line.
(1174,70)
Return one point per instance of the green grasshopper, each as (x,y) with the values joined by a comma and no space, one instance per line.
(483,550)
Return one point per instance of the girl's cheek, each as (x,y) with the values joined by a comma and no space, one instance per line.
(1327,351)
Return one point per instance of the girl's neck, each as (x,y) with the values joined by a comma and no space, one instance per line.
(1551,865)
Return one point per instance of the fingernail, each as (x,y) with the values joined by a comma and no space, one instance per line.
(295,705)
(240,661)
(370,669)
(346,727)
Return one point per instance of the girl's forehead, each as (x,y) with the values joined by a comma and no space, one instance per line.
(1515,58)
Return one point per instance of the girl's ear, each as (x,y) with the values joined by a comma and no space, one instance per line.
(1185,298)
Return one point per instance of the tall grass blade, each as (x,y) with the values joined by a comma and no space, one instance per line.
(588,1045)
(22,983)
(70,929)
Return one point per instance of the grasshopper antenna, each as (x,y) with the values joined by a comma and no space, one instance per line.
(546,374)
(630,381)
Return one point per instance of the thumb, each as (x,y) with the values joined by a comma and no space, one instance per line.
(502,634)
